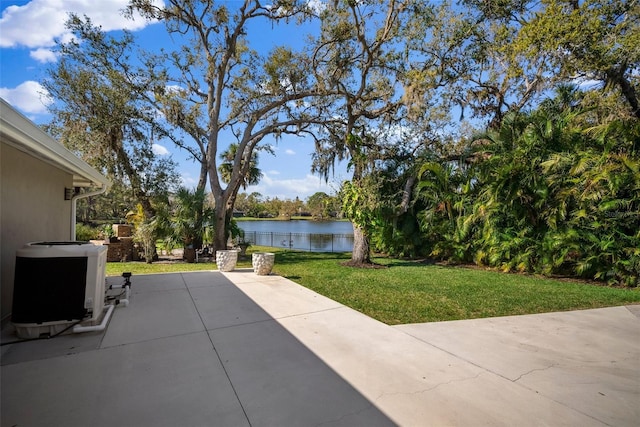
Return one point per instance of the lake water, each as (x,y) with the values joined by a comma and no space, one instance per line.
(298,226)
(316,236)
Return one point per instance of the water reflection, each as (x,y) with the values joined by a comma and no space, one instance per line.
(313,242)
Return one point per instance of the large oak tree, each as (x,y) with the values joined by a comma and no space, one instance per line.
(219,90)
(101,113)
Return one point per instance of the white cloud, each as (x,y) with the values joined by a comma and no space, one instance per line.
(290,152)
(160,150)
(589,84)
(43,55)
(292,188)
(273,172)
(30,97)
(188,180)
(171,89)
(39,22)
(317,6)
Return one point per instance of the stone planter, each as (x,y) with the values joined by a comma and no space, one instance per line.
(263,262)
(226,260)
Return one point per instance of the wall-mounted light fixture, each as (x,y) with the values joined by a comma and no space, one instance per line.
(69,193)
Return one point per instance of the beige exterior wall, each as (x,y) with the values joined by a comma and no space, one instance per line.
(32,208)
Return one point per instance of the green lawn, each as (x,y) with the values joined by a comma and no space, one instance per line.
(412,292)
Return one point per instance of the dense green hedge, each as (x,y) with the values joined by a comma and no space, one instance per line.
(546,193)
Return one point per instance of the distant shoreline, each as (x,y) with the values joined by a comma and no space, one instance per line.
(293,218)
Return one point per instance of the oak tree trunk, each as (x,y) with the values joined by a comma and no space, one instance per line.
(360,254)
(220,236)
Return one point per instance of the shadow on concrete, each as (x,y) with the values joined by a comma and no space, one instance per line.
(190,349)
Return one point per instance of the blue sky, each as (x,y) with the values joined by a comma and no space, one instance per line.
(27,31)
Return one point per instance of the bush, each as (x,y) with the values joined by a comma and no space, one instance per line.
(86,233)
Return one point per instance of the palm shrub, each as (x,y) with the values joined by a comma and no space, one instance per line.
(597,190)
(188,219)
(515,195)
(146,230)
(399,235)
(547,194)
(392,226)
(145,233)
(445,191)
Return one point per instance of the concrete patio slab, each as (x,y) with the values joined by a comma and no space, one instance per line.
(199,279)
(176,381)
(153,282)
(233,349)
(44,349)
(536,342)
(299,299)
(417,381)
(158,314)
(155,365)
(586,360)
(224,305)
(281,383)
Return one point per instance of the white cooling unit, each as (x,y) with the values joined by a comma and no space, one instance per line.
(56,285)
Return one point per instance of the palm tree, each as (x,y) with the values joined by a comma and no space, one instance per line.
(253,174)
(189,217)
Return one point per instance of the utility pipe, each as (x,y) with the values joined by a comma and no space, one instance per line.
(74,201)
(127,290)
(79,328)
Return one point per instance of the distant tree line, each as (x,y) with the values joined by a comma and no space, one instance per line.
(319,206)
(114,207)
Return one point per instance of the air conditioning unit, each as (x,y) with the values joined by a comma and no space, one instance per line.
(56,285)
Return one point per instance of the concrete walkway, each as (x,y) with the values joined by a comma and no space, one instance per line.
(234,349)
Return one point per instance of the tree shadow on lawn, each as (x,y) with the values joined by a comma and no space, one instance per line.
(344,259)
(293,257)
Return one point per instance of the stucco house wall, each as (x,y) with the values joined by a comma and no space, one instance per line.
(35,170)
(33,209)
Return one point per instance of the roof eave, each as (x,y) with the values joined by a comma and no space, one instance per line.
(22,134)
